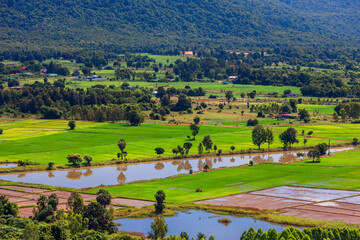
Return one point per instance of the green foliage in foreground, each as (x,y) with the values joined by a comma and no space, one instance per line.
(307,234)
(237,180)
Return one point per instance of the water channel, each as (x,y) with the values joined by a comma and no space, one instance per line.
(192,222)
(125,173)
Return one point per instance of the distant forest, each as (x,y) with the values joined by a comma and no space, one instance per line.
(147,26)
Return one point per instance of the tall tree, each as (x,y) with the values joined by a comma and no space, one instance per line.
(288,137)
(259,135)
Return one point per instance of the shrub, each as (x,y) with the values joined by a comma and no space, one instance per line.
(88,159)
(74,159)
(72,124)
(198,190)
(50,165)
(355,141)
(224,220)
(1,131)
(252,122)
(251,162)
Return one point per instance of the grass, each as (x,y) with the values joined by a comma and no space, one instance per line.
(237,180)
(331,131)
(45,141)
(323,109)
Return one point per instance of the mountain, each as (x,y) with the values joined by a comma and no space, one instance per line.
(149,24)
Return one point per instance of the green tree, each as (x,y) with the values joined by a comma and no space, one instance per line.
(74,159)
(8,208)
(194,129)
(72,124)
(159,151)
(269,137)
(305,141)
(200,148)
(207,142)
(31,231)
(304,115)
(259,135)
(88,159)
(288,137)
(335,117)
(232,148)
(99,218)
(196,120)
(135,118)
(77,223)
(159,229)
(187,146)
(103,197)
(343,114)
(160,198)
(53,201)
(229,95)
(122,145)
(313,154)
(75,203)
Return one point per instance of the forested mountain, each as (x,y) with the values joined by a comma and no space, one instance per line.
(140,25)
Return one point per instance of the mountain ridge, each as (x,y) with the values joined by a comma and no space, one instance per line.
(184,24)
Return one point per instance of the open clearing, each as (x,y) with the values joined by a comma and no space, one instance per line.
(45,141)
(321,204)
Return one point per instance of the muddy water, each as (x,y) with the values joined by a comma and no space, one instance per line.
(7,165)
(125,173)
(192,222)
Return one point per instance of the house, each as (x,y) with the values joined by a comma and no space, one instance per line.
(154,93)
(292,94)
(350,96)
(17,87)
(188,54)
(154,80)
(51,75)
(169,80)
(233,77)
(225,82)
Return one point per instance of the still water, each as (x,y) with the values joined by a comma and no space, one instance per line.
(192,222)
(7,165)
(125,173)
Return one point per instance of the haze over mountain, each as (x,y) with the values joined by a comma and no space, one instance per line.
(146,24)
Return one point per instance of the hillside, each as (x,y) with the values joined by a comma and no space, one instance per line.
(148,24)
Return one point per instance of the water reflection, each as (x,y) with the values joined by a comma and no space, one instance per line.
(88,172)
(74,174)
(159,166)
(121,179)
(125,173)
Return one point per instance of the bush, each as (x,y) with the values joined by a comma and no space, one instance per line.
(50,165)
(198,190)
(88,159)
(224,220)
(252,122)
(251,162)
(1,131)
(72,124)
(355,141)
(74,159)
